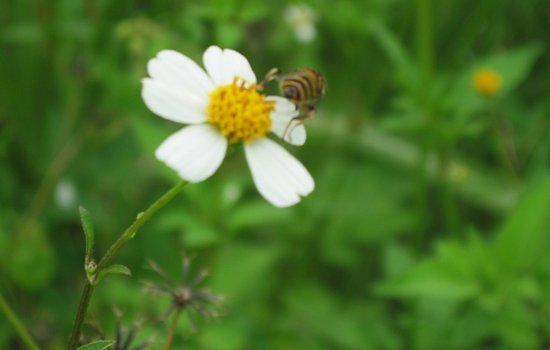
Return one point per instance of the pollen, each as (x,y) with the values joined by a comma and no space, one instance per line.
(239,111)
(487,81)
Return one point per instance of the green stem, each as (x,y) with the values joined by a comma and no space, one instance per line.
(426,61)
(141,219)
(504,143)
(81,313)
(17,325)
(130,232)
(423,185)
(442,146)
(450,211)
(425,39)
(172,330)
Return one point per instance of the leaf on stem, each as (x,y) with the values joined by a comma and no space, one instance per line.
(116,269)
(97,345)
(88,233)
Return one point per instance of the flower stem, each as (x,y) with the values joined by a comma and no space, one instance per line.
(130,232)
(141,219)
(81,313)
(17,325)
(504,143)
(425,39)
(425,58)
(172,330)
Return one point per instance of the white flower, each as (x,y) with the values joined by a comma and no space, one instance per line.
(223,106)
(302,19)
(65,194)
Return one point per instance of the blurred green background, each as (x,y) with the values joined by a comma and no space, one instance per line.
(429,227)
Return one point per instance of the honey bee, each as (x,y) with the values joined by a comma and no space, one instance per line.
(303,87)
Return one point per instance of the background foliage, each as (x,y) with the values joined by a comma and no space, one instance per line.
(429,227)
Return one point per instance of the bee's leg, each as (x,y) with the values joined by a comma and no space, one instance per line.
(273,74)
(294,122)
(307,111)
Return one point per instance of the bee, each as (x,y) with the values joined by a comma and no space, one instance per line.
(303,87)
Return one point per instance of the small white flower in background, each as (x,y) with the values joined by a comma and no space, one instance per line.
(223,106)
(65,194)
(302,19)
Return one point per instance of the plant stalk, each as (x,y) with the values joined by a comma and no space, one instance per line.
(425,59)
(172,330)
(17,325)
(81,313)
(128,234)
(141,219)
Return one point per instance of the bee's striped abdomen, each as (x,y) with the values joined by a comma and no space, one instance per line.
(304,85)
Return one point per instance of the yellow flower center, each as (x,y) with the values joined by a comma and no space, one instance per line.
(239,111)
(487,81)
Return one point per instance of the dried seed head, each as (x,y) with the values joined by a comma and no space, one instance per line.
(187,296)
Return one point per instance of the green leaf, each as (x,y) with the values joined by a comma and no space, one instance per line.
(514,65)
(88,232)
(228,33)
(97,345)
(197,232)
(116,269)
(516,326)
(452,274)
(238,265)
(523,239)
(31,259)
(255,215)
(149,133)
(254,11)
(346,326)
(407,73)
(431,279)
(397,259)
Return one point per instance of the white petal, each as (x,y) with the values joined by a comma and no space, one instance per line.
(213,63)
(195,152)
(283,105)
(288,129)
(283,124)
(237,66)
(171,104)
(278,176)
(224,65)
(180,72)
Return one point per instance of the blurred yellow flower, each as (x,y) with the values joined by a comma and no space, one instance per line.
(487,81)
